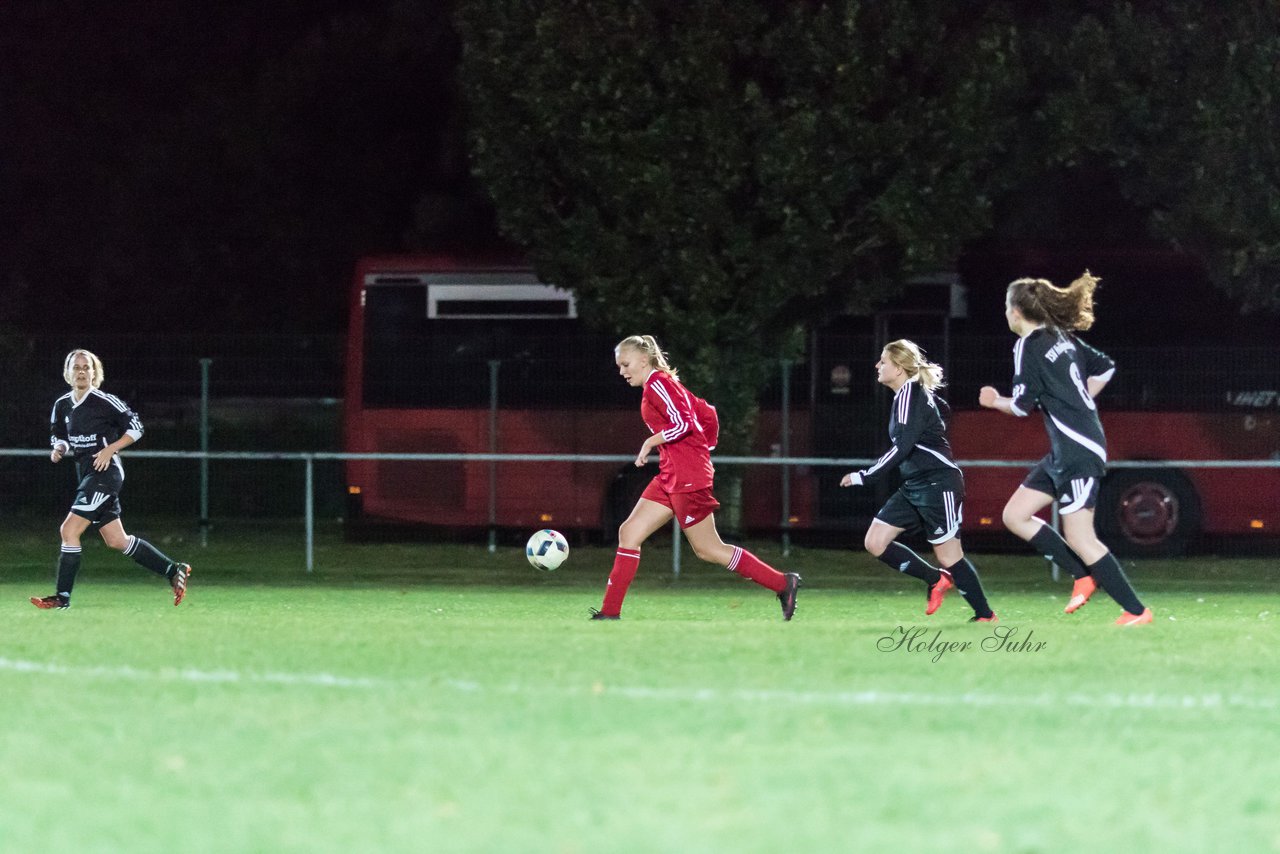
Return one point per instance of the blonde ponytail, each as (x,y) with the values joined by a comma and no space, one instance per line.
(908,356)
(648,345)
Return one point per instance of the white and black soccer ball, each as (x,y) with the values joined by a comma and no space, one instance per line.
(547,549)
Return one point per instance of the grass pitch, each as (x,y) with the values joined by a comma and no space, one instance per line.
(440,698)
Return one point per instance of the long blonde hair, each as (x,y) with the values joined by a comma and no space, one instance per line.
(648,345)
(1069,308)
(908,356)
(95,365)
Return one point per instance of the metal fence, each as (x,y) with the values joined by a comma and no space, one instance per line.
(309,461)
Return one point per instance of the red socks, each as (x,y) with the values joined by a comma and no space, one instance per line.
(625,564)
(627,561)
(748,565)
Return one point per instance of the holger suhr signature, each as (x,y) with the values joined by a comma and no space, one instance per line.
(922,640)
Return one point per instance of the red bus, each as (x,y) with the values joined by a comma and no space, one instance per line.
(464,355)
(455,355)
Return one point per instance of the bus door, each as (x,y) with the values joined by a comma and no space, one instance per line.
(851,408)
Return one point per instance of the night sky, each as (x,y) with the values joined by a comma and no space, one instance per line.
(208,167)
(220,167)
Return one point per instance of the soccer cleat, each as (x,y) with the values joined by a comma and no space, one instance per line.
(788,595)
(50,602)
(1127,619)
(181,572)
(597,615)
(991,619)
(937,591)
(1080,593)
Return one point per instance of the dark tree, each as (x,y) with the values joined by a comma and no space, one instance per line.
(1174,105)
(721,175)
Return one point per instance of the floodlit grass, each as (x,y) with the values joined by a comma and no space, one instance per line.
(434,697)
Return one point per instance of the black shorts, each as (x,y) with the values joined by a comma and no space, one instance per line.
(1074,489)
(98,496)
(936,505)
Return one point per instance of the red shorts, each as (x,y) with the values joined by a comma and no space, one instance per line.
(689,508)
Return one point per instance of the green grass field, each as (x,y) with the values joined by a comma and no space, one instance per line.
(439,698)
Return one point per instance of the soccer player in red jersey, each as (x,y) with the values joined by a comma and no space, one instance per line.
(683,429)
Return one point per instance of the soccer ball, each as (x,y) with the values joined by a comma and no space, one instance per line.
(547,549)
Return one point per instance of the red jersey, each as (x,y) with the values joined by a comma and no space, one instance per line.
(684,458)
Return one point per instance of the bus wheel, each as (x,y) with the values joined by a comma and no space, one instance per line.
(1152,512)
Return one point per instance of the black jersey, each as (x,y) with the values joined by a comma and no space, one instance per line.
(919,436)
(1051,369)
(90,424)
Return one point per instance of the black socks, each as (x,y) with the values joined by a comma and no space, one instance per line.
(147,555)
(966,580)
(68,566)
(906,561)
(1050,544)
(1111,578)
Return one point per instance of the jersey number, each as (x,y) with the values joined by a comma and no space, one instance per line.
(1080,387)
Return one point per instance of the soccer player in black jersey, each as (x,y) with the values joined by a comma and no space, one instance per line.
(1056,371)
(932,491)
(92,427)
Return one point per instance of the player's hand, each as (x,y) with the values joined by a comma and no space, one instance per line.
(643,456)
(987,396)
(102,459)
(56,456)
(853,478)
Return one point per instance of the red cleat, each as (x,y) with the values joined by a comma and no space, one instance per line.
(991,619)
(1127,619)
(1080,593)
(50,602)
(181,573)
(938,591)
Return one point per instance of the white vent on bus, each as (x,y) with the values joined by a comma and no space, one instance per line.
(486,296)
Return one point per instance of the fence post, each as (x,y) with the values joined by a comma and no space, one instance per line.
(675,548)
(1056,521)
(493,449)
(204,449)
(786,452)
(309,511)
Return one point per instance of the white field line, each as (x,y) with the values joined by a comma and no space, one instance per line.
(895,698)
(976,699)
(187,674)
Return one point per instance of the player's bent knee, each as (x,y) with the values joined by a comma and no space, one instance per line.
(721,556)
(627,537)
(1016,521)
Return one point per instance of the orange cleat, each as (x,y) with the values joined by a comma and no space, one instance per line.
(991,619)
(1080,593)
(938,591)
(181,574)
(51,602)
(1127,619)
